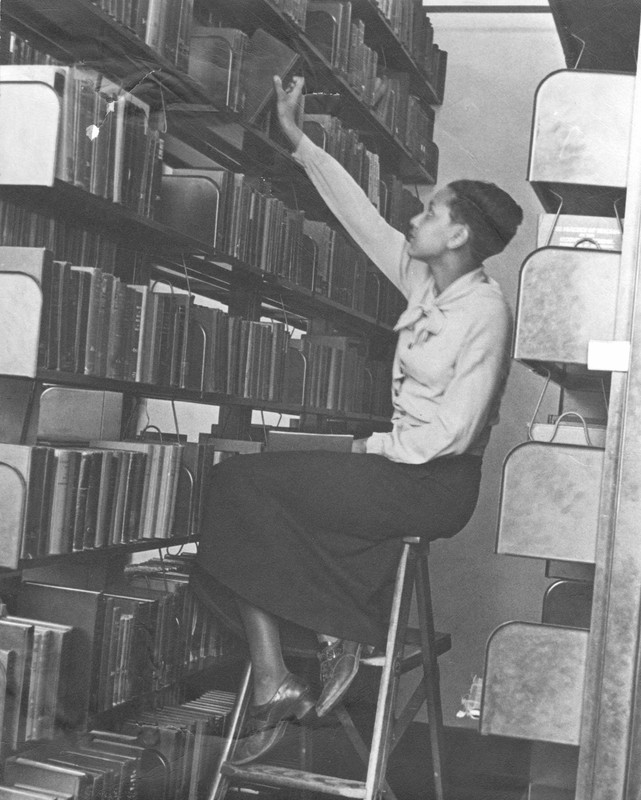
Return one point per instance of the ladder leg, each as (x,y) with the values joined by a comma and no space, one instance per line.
(430,672)
(219,786)
(383,723)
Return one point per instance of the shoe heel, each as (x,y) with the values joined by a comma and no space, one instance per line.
(305,706)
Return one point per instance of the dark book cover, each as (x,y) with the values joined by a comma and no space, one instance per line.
(34,470)
(116,333)
(63,329)
(85,100)
(93,500)
(167,342)
(266,56)
(69,489)
(106,489)
(92,325)
(81,495)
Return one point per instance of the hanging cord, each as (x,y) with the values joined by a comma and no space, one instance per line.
(580,56)
(581,419)
(557,214)
(148,427)
(538,406)
(615,205)
(606,400)
(559,419)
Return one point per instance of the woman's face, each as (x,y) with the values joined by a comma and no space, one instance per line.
(432,232)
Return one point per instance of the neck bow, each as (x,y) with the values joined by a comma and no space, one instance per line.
(424,319)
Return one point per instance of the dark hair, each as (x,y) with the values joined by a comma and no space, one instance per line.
(491,215)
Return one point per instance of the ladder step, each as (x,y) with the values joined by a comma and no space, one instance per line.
(293,779)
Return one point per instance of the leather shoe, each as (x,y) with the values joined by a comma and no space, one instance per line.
(266,723)
(339,665)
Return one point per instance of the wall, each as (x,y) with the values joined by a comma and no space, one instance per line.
(495,62)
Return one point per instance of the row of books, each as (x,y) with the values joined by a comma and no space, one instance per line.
(344,144)
(165,25)
(21,226)
(81,498)
(332,26)
(405,115)
(243,219)
(74,653)
(228,62)
(339,375)
(408,21)
(200,639)
(168,753)
(107,494)
(106,143)
(341,39)
(93,323)
(48,691)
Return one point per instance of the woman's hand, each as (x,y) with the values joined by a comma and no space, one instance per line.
(288,103)
(359,446)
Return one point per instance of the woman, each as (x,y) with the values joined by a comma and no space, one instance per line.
(310,541)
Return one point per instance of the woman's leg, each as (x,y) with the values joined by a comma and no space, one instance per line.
(279,696)
(263,638)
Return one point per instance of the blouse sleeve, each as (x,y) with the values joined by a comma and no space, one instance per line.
(382,243)
(468,405)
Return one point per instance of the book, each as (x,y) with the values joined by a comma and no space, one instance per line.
(50,687)
(33,465)
(17,637)
(65,468)
(266,57)
(7,681)
(81,609)
(90,327)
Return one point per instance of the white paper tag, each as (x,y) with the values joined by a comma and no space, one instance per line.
(608,356)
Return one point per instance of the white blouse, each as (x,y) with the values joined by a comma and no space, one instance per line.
(453,352)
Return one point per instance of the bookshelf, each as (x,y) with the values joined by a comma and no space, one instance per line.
(157,241)
(582,742)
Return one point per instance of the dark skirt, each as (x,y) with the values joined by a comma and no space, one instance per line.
(315,537)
